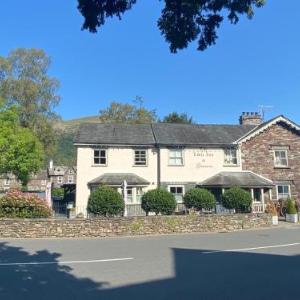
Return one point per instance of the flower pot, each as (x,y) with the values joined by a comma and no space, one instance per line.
(292,218)
(275,220)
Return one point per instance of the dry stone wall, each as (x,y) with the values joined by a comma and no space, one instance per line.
(126,226)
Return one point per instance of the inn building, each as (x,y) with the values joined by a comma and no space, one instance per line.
(261,157)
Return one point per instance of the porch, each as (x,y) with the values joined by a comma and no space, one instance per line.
(258,186)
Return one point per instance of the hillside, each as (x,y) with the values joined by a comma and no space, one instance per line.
(65,153)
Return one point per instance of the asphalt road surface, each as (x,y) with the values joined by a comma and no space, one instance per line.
(260,264)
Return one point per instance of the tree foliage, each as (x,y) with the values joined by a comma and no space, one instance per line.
(21,151)
(25,83)
(175,117)
(181,21)
(127,113)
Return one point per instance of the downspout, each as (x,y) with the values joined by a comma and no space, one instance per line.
(158,175)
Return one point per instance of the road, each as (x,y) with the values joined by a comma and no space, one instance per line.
(259,264)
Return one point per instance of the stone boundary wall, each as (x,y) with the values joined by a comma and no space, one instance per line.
(126,226)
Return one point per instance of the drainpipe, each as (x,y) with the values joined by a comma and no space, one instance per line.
(158,167)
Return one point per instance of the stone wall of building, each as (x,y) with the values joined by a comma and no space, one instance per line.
(126,226)
(258,156)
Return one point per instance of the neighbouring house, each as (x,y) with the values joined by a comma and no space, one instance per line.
(61,175)
(37,183)
(261,157)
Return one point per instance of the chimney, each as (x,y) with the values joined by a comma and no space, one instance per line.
(51,164)
(250,118)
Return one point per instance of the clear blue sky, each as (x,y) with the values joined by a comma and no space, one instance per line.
(255,62)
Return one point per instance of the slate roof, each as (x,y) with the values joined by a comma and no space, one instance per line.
(118,179)
(100,133)
(186,134)
(160,133)
(241,179)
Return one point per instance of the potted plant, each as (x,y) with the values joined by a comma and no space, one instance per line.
(291,212)
(271,209)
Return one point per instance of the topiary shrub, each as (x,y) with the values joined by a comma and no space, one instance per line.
(199,199)
(291,207)
(158,201)
(105,201)
(16,204)
(238,199)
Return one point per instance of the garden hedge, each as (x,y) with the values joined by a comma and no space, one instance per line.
(199,199)
(238,199)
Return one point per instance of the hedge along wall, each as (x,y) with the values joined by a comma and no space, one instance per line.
(106,227)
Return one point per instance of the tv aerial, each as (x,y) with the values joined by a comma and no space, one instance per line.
(263,109)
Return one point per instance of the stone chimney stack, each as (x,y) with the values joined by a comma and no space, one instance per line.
(250,118)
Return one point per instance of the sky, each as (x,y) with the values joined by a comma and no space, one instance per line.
(256,62)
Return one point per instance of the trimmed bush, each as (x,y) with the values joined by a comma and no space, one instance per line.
(158,201)
(16,204)
(291,207)
(199,199)
(238,199)
(105,201)
(57,193)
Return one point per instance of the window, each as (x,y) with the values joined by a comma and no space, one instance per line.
(100,157)
(139,194)
(177,191)
(230,156)
(280,157)
(7,181)
(176,157)
(43,182)
(70,171)
(60,180)
(283,191)
(129,195)
(70,179)
(140,158)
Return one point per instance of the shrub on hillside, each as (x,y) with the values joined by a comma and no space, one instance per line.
(159,201)
(16,204)
(199,199)
(238,199)
(105,201)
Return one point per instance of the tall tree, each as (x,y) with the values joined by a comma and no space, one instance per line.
(25,83)
(21,151)
(181,21)
(175,117)
(127,113)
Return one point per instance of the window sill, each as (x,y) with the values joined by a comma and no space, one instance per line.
(278,167)
(226,166)
(139,166)
(175,165)
(93,166)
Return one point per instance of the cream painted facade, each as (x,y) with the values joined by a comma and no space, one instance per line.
(198,165)
(119,160)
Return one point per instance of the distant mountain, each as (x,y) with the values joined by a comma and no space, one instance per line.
(73,124)
(65,152)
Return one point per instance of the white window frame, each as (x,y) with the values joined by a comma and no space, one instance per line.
(70,172)
(135,158)
(289,193)
(171,157)
(177,186)
(60,179)
(229,162)
(70,179)
(286,158)
(100,157)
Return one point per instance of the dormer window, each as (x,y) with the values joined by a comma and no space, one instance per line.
(230,157)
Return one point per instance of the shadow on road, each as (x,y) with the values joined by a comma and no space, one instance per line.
(223,275)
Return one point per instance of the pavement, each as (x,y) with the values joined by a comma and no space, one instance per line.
(255,264)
